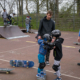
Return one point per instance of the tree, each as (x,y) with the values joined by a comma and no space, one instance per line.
(78,7)
(27,6)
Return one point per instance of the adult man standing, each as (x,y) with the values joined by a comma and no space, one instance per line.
(4,15)
(47,25)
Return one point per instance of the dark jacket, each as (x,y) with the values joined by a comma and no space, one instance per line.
(57,52)
(46,26)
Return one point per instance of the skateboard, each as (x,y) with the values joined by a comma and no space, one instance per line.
(7,70)
(76,43)
(21,63)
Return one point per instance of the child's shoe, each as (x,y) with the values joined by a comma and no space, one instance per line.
(38,75)
(58,78)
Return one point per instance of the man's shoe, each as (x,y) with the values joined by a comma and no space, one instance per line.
(47,63)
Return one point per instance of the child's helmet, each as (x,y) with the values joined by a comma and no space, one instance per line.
(47,37)
(13,13)
(56,33)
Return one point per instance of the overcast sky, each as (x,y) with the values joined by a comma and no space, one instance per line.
(32,6)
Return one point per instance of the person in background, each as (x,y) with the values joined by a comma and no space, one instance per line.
(10,17)
(27,21)
(79,49)
(4,15)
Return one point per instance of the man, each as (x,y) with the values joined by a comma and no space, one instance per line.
(46,26)
(79,49)
(4,15)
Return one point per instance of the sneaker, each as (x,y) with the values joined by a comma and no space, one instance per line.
(38,75)
(56,74)
(78,64)
(58,78)
(47,63)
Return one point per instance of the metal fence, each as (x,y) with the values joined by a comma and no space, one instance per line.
(66,13)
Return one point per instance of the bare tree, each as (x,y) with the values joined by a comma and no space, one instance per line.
(27,7)
(78,7)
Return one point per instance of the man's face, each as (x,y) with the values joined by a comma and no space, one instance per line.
(49,16)
(4,10)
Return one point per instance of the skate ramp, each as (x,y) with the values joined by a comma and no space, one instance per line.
(11,32)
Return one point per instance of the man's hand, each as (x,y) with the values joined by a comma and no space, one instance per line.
(39,37)
(78,39)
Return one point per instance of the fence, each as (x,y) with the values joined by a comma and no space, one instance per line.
(66,13)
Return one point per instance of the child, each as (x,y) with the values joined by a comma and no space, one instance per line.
(42,53)
(57,53)
(27,23)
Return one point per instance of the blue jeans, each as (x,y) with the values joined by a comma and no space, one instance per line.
(41,59)
(27,27)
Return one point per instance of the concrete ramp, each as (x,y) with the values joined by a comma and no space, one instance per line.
(11,32)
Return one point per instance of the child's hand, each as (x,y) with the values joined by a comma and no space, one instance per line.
(53,40)
(54,47)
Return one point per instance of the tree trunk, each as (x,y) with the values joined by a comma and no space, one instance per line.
(57,8)
(38,7)
(27,6)
(78,7)
(20,7)
(47,4)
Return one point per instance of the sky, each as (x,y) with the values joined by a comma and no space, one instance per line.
(32,6)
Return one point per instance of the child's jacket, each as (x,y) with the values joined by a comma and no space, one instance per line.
(41,49)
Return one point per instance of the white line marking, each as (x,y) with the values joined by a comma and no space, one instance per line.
(19,48)
(47,70)
(4,60)
(2,56)
(61,74)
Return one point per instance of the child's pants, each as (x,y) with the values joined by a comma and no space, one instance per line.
(57,63)
(41,60)
(27,27)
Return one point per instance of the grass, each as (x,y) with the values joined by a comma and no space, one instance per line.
(62,24)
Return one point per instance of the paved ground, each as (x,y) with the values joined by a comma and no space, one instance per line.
(27,49)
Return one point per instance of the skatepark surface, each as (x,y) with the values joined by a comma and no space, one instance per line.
(26,48)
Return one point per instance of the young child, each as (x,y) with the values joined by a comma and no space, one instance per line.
(27,23)
(42,53)
(57,53)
